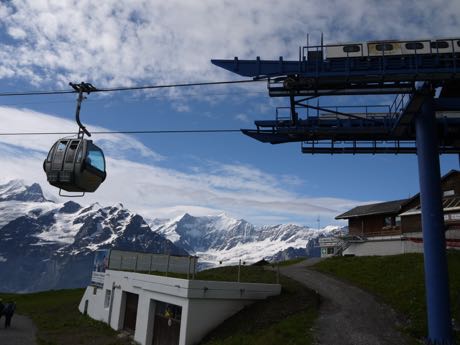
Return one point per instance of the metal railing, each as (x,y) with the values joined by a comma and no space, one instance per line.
(150,263)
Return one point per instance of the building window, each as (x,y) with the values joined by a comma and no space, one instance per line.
(330,250)
(354,48)
(108,295)
(398,221)
(323,251)
(414,46)
(450,192)
(388,221)
(94,290)
(439,45)
(384,47)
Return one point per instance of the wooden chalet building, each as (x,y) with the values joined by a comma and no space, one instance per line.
(394,227)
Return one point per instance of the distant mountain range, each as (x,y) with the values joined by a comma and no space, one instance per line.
(46,245)
(221,239)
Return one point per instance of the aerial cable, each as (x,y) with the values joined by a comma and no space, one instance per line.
(127,88)
(127,132)
(228,93)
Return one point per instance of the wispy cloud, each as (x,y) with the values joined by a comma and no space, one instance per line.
(147,187)
(243,118)
(128,42)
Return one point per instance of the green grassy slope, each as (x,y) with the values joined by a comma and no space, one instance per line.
(283,319)
(58,320)
(398,281)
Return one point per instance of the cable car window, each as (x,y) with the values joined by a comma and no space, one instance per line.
(79,155)
(50,154)
(62,145)
(439,45)
(414,46)
(96,159)
(383,47)
(70,154)
(354,48)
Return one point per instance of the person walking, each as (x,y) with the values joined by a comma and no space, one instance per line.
(8,311)
(2,306)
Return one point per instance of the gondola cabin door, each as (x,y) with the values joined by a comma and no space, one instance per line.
(166,329)
(129,322)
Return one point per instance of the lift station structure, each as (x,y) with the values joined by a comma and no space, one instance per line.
(423,79)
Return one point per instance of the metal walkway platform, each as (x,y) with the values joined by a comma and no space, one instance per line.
(411,78)
(424,118)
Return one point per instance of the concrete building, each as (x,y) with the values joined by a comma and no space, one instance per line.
(161,310)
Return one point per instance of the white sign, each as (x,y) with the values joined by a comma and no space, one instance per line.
(98,278)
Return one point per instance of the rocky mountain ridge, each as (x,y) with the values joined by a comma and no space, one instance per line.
(48,245)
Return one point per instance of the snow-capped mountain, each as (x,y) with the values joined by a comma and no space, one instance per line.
(18,191)
(217,239)
(47,245)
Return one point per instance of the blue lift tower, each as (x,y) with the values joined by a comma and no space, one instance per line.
(423,77)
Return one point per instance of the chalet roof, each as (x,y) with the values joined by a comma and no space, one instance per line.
(387,207)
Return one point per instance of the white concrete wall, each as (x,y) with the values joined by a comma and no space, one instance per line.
(95,303)
(205,304)
(145,319)
(383,247)
(205,315)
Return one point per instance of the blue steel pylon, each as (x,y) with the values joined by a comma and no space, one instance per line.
(434,242)
(315,75)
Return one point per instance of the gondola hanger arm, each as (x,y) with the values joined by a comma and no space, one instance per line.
(82,88)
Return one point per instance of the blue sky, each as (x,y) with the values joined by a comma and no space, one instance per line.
(46,44)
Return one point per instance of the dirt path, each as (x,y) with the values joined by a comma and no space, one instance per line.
(348,315)
(21,332)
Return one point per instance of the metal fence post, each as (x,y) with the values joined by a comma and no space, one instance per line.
(239,270)
(167,265)
(278,273)
(194,267)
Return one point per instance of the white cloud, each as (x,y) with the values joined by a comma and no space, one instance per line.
(128,42)
(243,191)
(243,118)
(26,120)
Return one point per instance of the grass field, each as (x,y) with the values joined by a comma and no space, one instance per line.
(286,318)
(397,281)
(58,320)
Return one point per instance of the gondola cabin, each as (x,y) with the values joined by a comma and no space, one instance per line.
(75,165)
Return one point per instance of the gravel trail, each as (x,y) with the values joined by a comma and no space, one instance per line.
(348,315)
(21,332)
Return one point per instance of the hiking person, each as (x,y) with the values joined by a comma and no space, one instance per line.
(8,311)
(2,306)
